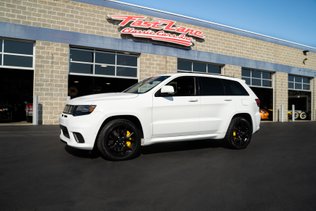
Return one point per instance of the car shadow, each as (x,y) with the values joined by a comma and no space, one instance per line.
(92,154)
(182,146)
(155,148)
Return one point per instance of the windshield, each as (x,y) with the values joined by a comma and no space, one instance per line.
(145,85)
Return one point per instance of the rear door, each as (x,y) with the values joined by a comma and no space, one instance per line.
(177,115)
(215,105)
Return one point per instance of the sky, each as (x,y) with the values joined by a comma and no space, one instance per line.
(291,20)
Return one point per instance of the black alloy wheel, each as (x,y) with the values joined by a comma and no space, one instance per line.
(119,140)
(239,133)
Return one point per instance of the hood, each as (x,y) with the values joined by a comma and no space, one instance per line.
(90,99)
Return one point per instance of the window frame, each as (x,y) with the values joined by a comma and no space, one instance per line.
(199,62)
(261,78)
(3,54)
(301,82)
(94,63)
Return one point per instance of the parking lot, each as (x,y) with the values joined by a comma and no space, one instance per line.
(276,172)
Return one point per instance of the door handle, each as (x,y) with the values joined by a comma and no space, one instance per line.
(227,100)
(193,100)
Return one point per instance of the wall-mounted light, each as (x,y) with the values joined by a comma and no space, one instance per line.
(305,52)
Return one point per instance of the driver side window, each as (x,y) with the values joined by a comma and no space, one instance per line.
(183,86)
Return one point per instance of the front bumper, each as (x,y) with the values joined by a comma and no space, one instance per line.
(80,131)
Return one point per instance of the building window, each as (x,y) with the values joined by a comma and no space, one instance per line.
(299,83)
(16,54)
(198,67)
(257,78)
(102,63)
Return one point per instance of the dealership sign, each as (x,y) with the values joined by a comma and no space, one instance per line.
(158,30)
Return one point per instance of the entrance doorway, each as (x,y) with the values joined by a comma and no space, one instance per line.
(85,85)
(16,94)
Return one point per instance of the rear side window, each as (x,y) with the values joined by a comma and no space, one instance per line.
(220,87)
(210,86)
(234,88)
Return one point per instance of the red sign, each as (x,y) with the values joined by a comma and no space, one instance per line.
(159,30)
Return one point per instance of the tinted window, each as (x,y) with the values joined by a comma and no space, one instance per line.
(81,68)
(214,68)
(81,55)
(20,61)
(105,70)
(126,71)
(233,88)
(19,47)
(105,58)
(126,60)
(199,67)
(183,86)
(184,65)
(210,86)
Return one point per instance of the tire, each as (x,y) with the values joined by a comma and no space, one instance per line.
(239,133)
(118,140)
(303,115)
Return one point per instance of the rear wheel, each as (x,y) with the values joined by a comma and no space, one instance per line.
(119,140)
(239,133)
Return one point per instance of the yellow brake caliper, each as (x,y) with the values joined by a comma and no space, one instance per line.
(128,142)
(234,134)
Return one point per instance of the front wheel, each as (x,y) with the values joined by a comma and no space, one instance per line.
(239,133)
(119,140)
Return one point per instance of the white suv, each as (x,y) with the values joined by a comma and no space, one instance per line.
(177,107)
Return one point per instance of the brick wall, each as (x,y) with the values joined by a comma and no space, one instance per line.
(280,96)
(313,88)
(80,17)
(232,70)
(51,79)
(151,65)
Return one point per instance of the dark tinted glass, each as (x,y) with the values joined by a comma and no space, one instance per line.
(13,46)
(81,55)
(291,78)
(126,71)
(105,58)
(266,75)
(183,86)
(306,87)
(266,83)
(247,80)
(298,86)
(184,65)
(20,61)
(256,74)
(214,68)
(298,79)
(104,70)
(305,80)
(199,67)
(126,60)
(1,45)
(256,82)
(291,85)
(234,88)
(210,86)
(81,68)
(0,59)
(245,72)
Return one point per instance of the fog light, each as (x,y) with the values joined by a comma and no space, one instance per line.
(78,137)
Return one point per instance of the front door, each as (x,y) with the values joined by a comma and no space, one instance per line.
(176,115)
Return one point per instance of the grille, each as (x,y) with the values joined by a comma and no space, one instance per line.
(65,131)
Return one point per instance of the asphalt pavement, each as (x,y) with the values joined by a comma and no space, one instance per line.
(276,172)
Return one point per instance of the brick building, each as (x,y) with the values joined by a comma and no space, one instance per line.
(59,49)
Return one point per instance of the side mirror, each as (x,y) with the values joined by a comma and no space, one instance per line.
(167,90)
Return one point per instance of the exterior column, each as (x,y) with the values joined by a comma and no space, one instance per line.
(152,65)
(280,96)
(313,101)
(232,71)
(51,79)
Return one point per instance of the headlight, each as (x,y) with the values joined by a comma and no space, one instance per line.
(80,110)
